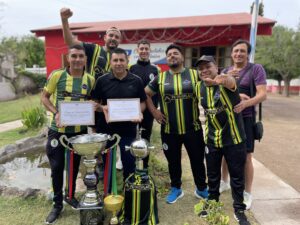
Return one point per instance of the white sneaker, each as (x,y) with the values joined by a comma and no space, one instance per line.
(224,186)
(247,200)
(119,164)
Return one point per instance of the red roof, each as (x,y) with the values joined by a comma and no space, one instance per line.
(234,19)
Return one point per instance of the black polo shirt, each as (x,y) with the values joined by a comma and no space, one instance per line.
(110,87)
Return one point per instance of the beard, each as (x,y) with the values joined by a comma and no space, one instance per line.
(174,65)
(114,46)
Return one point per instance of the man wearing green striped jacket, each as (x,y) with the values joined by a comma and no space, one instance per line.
(70,84)
(98,57)
(224,133)
(179,119)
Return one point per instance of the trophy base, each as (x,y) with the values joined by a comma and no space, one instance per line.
(83,206)
(91,217)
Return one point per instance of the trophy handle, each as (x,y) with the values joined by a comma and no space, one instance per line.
(117,137)
(61,139)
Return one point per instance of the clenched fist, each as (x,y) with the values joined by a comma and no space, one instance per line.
(65,13)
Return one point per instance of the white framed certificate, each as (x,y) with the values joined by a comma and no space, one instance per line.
(126,109)
(76,113)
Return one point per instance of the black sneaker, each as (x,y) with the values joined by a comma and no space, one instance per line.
(53,215)
(204,212)
(241,217)
(72,202)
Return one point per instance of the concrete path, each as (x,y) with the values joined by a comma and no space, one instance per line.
(10,125)
(274,201)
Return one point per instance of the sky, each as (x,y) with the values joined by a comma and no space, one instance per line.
(18,17)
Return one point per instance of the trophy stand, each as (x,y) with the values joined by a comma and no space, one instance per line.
(91,205)
(140,182)
(90,145)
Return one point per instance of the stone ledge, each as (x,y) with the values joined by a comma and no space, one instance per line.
(27,193)
(24,145)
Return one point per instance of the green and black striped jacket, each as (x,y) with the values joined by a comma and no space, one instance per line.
(178,101)
(98,60)
(223,127)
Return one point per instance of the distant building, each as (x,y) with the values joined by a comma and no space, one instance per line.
(198,35)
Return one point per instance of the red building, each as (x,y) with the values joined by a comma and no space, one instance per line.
(198,35)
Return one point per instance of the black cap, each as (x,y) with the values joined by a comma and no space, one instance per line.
(205,58)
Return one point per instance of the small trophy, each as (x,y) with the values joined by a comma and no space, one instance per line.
(89,145)
(139,148)
(113,203)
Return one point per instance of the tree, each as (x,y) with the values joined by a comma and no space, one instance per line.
(32,51)
(273,74)
(260,9)
(23,51)
(281,52)
(27,50)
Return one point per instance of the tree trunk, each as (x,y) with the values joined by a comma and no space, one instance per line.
(279,87)
(286,86)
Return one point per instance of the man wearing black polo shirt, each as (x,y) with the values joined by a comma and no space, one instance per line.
(120,83)
(179,117)
(147,72)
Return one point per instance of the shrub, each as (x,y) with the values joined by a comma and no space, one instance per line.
(216,215)
(34,117)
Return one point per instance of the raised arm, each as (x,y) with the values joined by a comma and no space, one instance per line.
(65,14)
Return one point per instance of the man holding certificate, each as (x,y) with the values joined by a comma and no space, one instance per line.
(121,97)
(63,86)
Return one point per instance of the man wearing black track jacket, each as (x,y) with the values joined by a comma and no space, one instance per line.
(147,72)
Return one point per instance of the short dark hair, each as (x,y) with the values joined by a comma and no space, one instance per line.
(113,29)
(143,42)
(172,46)
(77,46)
(119,51)
(242,41)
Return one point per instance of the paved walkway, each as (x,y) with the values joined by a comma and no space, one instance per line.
(10,125)
(274,201)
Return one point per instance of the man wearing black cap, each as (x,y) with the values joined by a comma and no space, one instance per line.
(225,135)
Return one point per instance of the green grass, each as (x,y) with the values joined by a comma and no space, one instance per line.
(11,136)
(32,211)
(11,110)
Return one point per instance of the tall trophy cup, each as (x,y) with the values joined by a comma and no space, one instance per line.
(88,146)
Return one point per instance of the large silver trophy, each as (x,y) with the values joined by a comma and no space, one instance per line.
(89,146)
(139,148)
